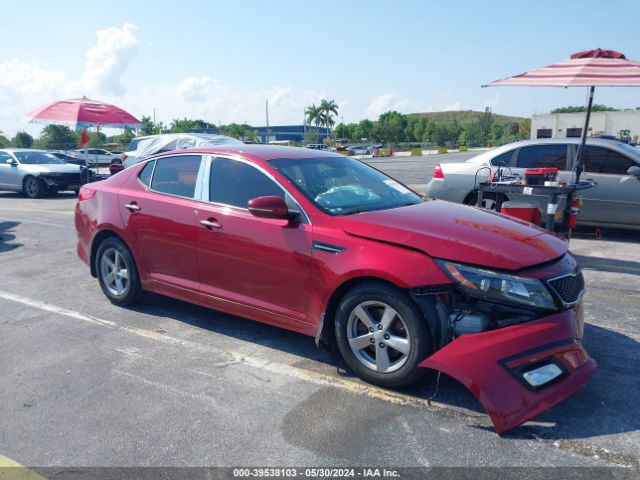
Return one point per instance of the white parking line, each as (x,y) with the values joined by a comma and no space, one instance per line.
(238,358)
(65,212)
(48,307)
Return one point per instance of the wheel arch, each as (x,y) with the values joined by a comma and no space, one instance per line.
(325,335)
(100,237)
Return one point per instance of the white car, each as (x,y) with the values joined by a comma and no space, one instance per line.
(95,157)
(614,166)
(37,173)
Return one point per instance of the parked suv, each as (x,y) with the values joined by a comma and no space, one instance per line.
(615,166)
(37,173)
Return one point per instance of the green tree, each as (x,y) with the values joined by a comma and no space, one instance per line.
(22,140)
(576,109)
(97,140)
(329,108)
(514,128)
(486,121)
(242,132)
(186,125)
(496,134)
(390,127)
(446,132)
(313,115)
(364,129)
(149,127)
(57,137)
(4,141)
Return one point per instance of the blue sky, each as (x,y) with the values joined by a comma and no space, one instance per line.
(220,60)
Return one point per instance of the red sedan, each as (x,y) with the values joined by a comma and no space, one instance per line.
(327,246)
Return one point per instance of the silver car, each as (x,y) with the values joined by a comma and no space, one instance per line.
(37,173)
(615,166)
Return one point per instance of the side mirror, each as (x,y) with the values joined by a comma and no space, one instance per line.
(270,207)
(634,171)
(11,162)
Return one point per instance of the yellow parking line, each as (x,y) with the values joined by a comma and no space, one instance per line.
(12,470)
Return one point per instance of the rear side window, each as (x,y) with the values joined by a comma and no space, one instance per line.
(145,175)
(503,160)
(235,183)
(540,156)
(603,160)
(176,175)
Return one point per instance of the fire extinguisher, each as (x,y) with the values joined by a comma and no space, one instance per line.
(574,211)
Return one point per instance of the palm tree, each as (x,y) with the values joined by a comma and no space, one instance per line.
(314,115)
(329,108)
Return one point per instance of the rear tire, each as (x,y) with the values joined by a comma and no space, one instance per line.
(489,200)
(117,273)
(382,335)
(34,187)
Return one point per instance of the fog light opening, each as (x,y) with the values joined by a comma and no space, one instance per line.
(542,375)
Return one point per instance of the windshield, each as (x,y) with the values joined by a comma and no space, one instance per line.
(33,158)
(342,186)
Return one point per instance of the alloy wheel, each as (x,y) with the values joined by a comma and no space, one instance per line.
(114,272)
(378,336)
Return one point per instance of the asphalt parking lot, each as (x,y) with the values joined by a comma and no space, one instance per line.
(85,383)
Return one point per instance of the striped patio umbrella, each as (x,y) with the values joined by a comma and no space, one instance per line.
(592,68)
(84,112)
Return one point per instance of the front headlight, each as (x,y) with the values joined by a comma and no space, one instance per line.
(499,287)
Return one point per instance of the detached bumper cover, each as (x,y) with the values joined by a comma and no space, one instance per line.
(491,365)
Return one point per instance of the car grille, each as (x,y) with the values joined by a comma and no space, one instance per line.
(569,288)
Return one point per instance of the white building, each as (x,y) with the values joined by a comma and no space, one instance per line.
(562,125)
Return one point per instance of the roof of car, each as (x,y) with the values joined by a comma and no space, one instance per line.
(603,142)
(258,152)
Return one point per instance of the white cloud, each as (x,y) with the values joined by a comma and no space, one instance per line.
(385,103)
(208,98)
(23,87)
(107,61)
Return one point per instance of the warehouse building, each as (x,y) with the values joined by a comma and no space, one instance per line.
(624,124)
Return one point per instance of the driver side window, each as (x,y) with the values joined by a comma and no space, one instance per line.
(4,157)
(234,183)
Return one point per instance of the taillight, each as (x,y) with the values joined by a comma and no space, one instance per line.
(437,172)
(123,157)
(85,193)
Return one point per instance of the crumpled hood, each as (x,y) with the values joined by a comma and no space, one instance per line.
(460,233)
(51,168)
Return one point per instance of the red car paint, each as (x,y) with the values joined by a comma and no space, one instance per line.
(268,270)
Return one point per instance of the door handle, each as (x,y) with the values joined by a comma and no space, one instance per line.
(210,223)
(132,207)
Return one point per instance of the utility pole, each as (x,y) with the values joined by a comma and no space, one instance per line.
(266,140)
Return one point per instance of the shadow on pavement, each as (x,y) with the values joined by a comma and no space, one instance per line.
(6,236)
(602,407)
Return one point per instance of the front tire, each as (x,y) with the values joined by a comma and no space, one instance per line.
(382,335)
(117,273)
(33,187)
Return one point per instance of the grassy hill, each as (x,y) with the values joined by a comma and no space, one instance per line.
(465,117)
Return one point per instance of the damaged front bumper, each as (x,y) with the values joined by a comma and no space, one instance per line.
(519,371)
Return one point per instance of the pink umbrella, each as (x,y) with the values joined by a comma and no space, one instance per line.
(84,112)
(602,68)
